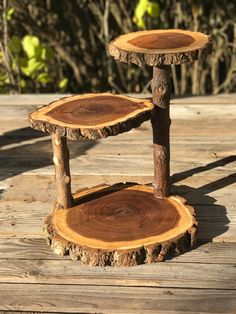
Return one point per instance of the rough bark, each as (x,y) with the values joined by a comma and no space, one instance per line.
(161,127)
(91,116)
(130,250)
(62,171)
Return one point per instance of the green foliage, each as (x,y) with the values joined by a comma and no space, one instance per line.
(9,14)
(153,9)
(145,7)
(50,41)
(14,45)
(44,78)
(34,63)
(30,58)
(31,46)
(63,83)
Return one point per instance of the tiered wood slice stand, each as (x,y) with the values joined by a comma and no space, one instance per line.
(123,224)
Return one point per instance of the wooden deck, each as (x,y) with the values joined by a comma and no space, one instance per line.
(203,166)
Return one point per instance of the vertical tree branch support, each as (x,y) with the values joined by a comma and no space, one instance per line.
(161,127)
(62,171)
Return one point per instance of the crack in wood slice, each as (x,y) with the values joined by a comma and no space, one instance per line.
(158,47)
(91,116)
(121,225)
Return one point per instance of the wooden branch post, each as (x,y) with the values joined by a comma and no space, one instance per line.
(161,125)
(62,171)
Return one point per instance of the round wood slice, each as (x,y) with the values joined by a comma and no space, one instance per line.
(122,225)
(91,116)
(159,47)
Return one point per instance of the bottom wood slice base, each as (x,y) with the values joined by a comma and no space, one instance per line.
(121,225)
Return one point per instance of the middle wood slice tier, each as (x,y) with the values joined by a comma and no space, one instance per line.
(91,116)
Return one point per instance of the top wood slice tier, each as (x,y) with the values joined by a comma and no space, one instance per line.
(159,47)
(91,116)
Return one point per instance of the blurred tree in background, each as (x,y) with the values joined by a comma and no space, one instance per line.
(61,46)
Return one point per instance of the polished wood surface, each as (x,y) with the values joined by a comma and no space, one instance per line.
(165,40)
(91,116)
(160,47)
(95,110)
(121,216)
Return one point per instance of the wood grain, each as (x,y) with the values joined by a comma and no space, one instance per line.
(163,275)
(29,100)
(95,110)
(62,171)
(158,47)
(22,188)
(160,121)
(165,40)
(20,219)
(35,249)
(91,116)
(90,299)
(215,208)
(121,225)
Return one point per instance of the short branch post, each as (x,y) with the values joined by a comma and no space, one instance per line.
(62,171)
(161,128)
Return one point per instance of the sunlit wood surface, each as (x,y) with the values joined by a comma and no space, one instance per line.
(203,167)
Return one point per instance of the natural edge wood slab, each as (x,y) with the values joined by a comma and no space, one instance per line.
(91,116)
(121,225)
(159,47)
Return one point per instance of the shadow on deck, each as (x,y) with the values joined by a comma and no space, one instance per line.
(29,151)
(204,204)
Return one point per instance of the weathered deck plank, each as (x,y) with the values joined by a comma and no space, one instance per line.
(164,275)
(21,219)
(33,279)
(221,178)
(44,99)
(92,299)
(35,249)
